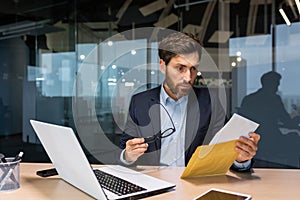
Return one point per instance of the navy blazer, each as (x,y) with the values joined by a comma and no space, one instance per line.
(205,116)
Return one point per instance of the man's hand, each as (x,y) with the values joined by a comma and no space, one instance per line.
(134,149)
(247,147)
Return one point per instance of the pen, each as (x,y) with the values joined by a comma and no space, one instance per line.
(19,156)
(2,157)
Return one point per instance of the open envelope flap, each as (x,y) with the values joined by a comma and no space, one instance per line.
(210,160)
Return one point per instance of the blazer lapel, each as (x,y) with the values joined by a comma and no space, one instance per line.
(192,120)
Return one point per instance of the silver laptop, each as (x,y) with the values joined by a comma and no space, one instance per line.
(72,166)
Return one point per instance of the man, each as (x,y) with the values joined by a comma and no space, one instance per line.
(196,116)
(265,106)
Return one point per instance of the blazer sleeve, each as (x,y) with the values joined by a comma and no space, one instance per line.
(130,127)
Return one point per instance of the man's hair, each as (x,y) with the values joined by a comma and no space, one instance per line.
(270,78)
(178,43)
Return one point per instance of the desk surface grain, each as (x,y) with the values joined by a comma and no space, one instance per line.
(262,184)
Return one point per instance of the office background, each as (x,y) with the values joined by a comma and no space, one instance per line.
(43,45)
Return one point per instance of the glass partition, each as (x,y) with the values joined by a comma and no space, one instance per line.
(77,64)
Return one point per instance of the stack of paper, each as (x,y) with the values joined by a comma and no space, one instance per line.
(217,157)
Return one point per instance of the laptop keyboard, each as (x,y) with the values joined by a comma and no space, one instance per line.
(115,184)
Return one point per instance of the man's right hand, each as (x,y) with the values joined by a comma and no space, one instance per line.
(134,149)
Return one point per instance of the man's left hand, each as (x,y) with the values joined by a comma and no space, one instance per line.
(247,147)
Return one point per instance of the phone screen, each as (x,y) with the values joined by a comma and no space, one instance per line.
(218,195)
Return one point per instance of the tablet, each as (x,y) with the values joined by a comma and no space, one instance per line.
(218,194)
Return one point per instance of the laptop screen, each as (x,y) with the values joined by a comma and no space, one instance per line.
(72,165)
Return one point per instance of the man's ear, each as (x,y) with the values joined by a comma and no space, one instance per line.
(162,66)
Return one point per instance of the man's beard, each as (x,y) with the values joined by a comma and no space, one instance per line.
(177,92)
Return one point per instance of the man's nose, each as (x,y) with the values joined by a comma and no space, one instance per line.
(187,76)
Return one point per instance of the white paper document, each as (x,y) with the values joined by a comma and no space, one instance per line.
(237,126)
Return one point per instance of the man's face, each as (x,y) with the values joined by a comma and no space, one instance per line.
(180,74)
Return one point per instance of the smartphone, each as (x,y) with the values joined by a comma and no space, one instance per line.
(218,194)
(47,172)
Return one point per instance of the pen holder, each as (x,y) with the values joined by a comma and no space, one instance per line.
(10,175)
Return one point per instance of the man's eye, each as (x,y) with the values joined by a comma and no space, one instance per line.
(181,69)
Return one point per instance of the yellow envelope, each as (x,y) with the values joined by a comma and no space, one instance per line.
(209,160)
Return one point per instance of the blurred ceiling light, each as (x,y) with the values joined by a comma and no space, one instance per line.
(194,29)
(122,10)
(238,53)
(133,52)
(129,84)
(114,66)
(167,21)
(110,43)
(153,7)
(239,59)
(220,36)
(82,57)
(190,3)
(112,79)
(298,5)
(233,64)
(286,19)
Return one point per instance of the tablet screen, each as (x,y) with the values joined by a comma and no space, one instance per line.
(222,195)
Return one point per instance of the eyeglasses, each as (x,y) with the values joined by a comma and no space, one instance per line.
(165,133)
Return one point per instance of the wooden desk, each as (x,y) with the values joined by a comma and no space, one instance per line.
(263,184)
